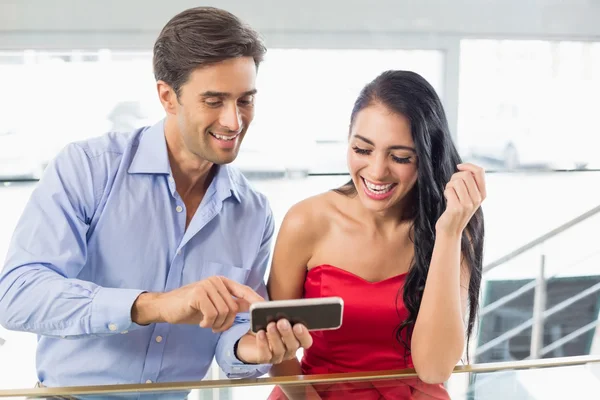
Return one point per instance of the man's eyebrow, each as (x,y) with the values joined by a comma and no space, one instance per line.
(212,93)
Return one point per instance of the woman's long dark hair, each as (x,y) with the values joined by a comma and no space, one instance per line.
(407,93)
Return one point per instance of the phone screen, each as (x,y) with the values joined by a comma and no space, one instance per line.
(314,317)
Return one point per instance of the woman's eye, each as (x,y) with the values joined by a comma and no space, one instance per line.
(358,150)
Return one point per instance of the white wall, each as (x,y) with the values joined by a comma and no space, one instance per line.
(132,23)
(573,18)
(424,24)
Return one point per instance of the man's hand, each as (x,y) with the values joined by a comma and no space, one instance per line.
(278,344)
(211,303)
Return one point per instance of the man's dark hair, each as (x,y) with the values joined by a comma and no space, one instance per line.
(202,36)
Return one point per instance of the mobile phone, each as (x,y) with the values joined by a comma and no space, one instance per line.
(323,313)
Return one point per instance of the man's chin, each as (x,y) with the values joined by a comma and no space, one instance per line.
(222,159)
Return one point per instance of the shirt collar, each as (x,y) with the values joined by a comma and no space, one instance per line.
(224,182)
(152,157)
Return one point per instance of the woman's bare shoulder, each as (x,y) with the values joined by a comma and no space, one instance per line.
(313,214)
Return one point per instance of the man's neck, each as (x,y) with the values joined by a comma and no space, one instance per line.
(190,179)
(191,174)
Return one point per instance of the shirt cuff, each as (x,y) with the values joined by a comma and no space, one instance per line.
(111,310)
(227,360)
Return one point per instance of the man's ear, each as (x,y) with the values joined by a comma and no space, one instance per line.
(167,97)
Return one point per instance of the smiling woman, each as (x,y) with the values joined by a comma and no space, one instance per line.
(415,207)
(391,151)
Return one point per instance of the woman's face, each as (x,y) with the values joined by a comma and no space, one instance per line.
(381,157)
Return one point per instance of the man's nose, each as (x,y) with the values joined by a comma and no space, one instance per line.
(231,118)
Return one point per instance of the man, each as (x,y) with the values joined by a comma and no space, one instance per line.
(138,255)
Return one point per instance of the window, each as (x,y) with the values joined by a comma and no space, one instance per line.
(529,104)
(303,107)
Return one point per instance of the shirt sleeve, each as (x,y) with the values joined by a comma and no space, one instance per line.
(225,356)
(38,289)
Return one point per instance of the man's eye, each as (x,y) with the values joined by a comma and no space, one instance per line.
(246,101)
(213,102)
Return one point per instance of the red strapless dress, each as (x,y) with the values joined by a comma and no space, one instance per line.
(366,340)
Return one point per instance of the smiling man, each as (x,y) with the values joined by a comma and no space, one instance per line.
(138,254)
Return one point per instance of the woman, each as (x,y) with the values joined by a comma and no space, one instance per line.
(401,243)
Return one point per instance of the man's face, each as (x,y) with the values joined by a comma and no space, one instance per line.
(214,108)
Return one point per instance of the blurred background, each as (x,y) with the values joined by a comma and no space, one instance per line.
(520,82)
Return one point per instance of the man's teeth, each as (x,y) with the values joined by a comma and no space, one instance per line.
(223,137)
(378,188)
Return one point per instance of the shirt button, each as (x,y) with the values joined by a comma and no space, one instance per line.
(148,381)
(158,339)
(112,327)
(179,209)
(179,252)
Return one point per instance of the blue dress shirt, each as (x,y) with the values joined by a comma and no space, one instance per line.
(106,223)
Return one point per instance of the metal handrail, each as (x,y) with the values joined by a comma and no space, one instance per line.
(508,298)
(293,380)
(527,324)
(573,335)
(527,287)
(541,239)
(534,286)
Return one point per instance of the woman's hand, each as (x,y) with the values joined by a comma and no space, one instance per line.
(464,194)
(279,343)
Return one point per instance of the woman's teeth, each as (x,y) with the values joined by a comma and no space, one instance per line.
(378,189)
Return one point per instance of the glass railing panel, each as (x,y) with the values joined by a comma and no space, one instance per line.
(566,382)
(548,379)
